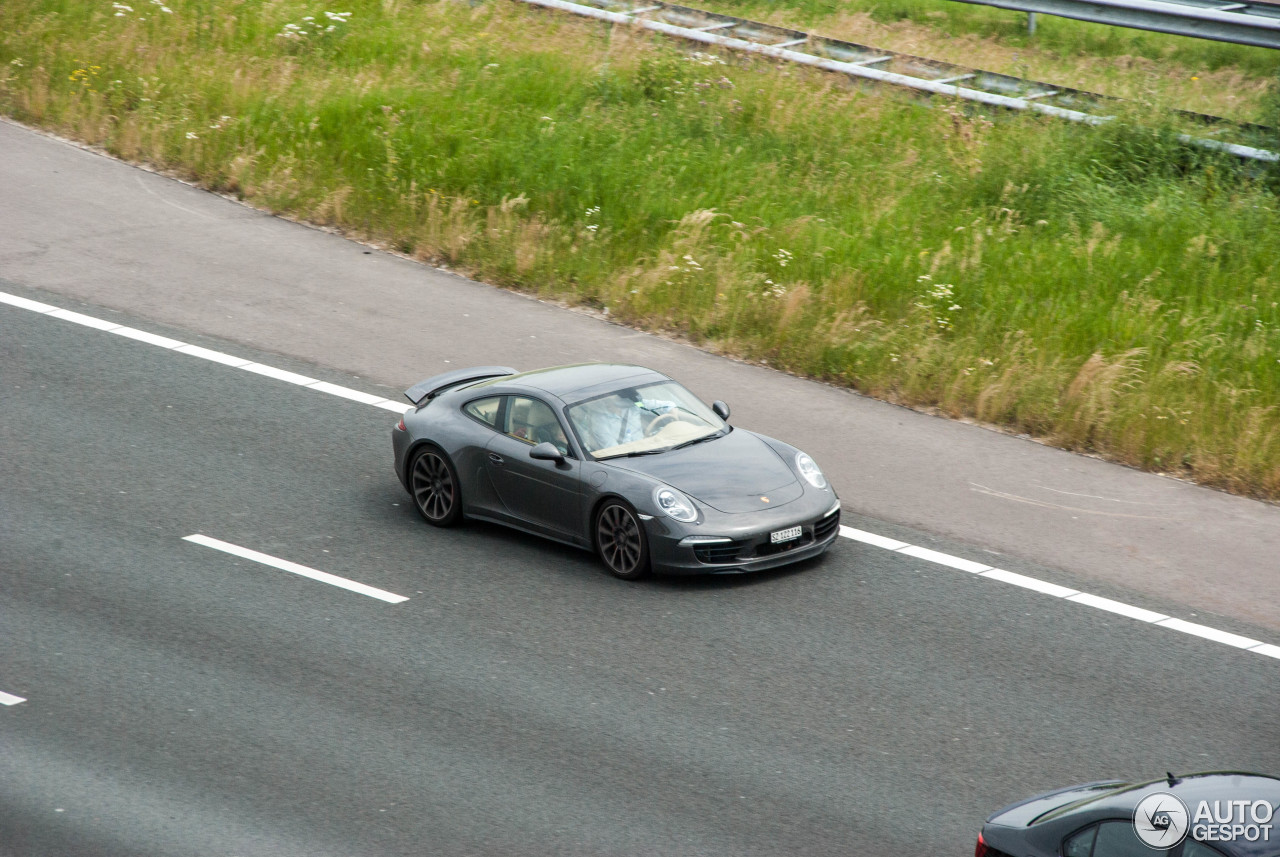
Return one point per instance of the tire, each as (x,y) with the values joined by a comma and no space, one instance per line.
(620,541)
(433,484)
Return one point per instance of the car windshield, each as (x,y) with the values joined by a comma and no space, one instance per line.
(642,420)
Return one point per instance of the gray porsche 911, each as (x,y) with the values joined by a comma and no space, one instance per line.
(617,459)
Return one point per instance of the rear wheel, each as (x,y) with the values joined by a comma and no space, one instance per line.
(434,485)
(620,541)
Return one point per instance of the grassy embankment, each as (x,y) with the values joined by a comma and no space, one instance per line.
(1104,289)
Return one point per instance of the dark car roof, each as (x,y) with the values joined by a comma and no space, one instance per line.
(577,382)
(1193,788)
(1120,803)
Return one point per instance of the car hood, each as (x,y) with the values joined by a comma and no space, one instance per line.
(735,473)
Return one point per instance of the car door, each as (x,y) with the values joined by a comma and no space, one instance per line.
(544,495)
(471,458)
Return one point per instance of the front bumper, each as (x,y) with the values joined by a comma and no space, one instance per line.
(743,545)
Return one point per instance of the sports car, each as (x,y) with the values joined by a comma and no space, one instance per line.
(616,459)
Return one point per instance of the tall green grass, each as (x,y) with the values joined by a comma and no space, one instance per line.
(1106,289)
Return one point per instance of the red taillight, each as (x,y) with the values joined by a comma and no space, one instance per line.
(400,425)
(981,850)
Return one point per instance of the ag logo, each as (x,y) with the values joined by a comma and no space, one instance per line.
(1161,820)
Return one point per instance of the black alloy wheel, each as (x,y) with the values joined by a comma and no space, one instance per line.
(620,541)
(435,488)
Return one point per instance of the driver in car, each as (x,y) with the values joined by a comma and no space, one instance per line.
(624,417)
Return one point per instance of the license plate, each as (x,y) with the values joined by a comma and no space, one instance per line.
(785,535)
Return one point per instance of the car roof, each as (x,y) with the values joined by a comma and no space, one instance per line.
(576,382)
(1191,789)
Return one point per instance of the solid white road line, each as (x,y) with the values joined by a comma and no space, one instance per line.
(944,559)
(1210,633)
(149,338)
(1027,582)
(873,539)
(86,320)
(25,303)
(1268,650)
(279,374)
(205,353)
(1117,607)
(10,699)
(215,356)
(304,571)
(346,393)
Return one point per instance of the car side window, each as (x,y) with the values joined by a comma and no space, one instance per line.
(1108,839)
(484,410)
(1081,844)
(1192,848)
(534,422)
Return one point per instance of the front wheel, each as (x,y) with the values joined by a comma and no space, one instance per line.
(620,541)
(434,486)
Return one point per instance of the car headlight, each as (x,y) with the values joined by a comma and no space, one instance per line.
(809,470)
(675,504)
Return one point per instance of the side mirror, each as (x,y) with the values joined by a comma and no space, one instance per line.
(546,451)
(721,409)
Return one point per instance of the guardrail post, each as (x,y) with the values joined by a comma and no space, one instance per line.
(1031,23)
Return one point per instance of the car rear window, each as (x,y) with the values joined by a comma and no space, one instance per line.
(485,410)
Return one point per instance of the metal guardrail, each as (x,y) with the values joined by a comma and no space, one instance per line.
(1255,24)
(873,64)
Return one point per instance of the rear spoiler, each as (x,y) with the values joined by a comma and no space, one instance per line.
(424,391)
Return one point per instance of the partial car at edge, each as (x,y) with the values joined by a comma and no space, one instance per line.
(1212,814)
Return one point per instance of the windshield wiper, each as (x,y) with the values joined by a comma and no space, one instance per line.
(711,436)
(636,453)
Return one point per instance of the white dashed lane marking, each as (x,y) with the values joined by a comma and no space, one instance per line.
(10,699)
(295,568)
(873,539)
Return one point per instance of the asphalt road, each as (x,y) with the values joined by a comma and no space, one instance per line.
(181,701)
(79,225)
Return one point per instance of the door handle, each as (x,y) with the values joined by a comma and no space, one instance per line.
(495,458)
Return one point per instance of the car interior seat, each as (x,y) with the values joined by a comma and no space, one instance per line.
(546,429)
(518,426)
